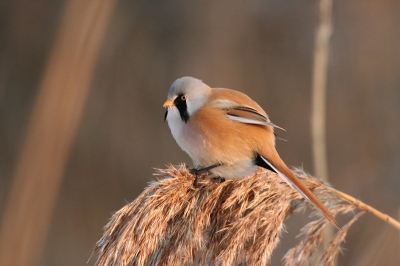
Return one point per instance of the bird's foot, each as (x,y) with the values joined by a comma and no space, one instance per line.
(219,179)
(198,172)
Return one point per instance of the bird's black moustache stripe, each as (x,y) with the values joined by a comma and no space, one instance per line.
(182,108)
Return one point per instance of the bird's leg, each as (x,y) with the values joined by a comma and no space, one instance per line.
(196,178)
(200,171)
(203,170)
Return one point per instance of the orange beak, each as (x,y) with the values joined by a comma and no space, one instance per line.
(168,103)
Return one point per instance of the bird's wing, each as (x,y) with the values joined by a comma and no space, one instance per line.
(243,114)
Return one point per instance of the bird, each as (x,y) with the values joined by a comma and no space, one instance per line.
(228,134)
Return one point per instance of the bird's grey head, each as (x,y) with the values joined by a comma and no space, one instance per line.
(188,95)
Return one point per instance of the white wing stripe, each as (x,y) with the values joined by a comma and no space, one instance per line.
(251,121)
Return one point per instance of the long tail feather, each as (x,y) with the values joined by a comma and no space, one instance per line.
(296,184)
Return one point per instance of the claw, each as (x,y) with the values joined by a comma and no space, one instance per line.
(200,171)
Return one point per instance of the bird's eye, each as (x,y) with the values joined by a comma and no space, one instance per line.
(183,97)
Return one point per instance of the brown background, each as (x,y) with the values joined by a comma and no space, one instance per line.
(262,48)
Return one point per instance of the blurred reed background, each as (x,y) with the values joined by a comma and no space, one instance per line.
(263,48)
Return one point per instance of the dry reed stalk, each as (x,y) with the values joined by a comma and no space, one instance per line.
(237,222)
(319,88)
(53,125)
(361,205)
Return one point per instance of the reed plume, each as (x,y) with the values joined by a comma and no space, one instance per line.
(236,222)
